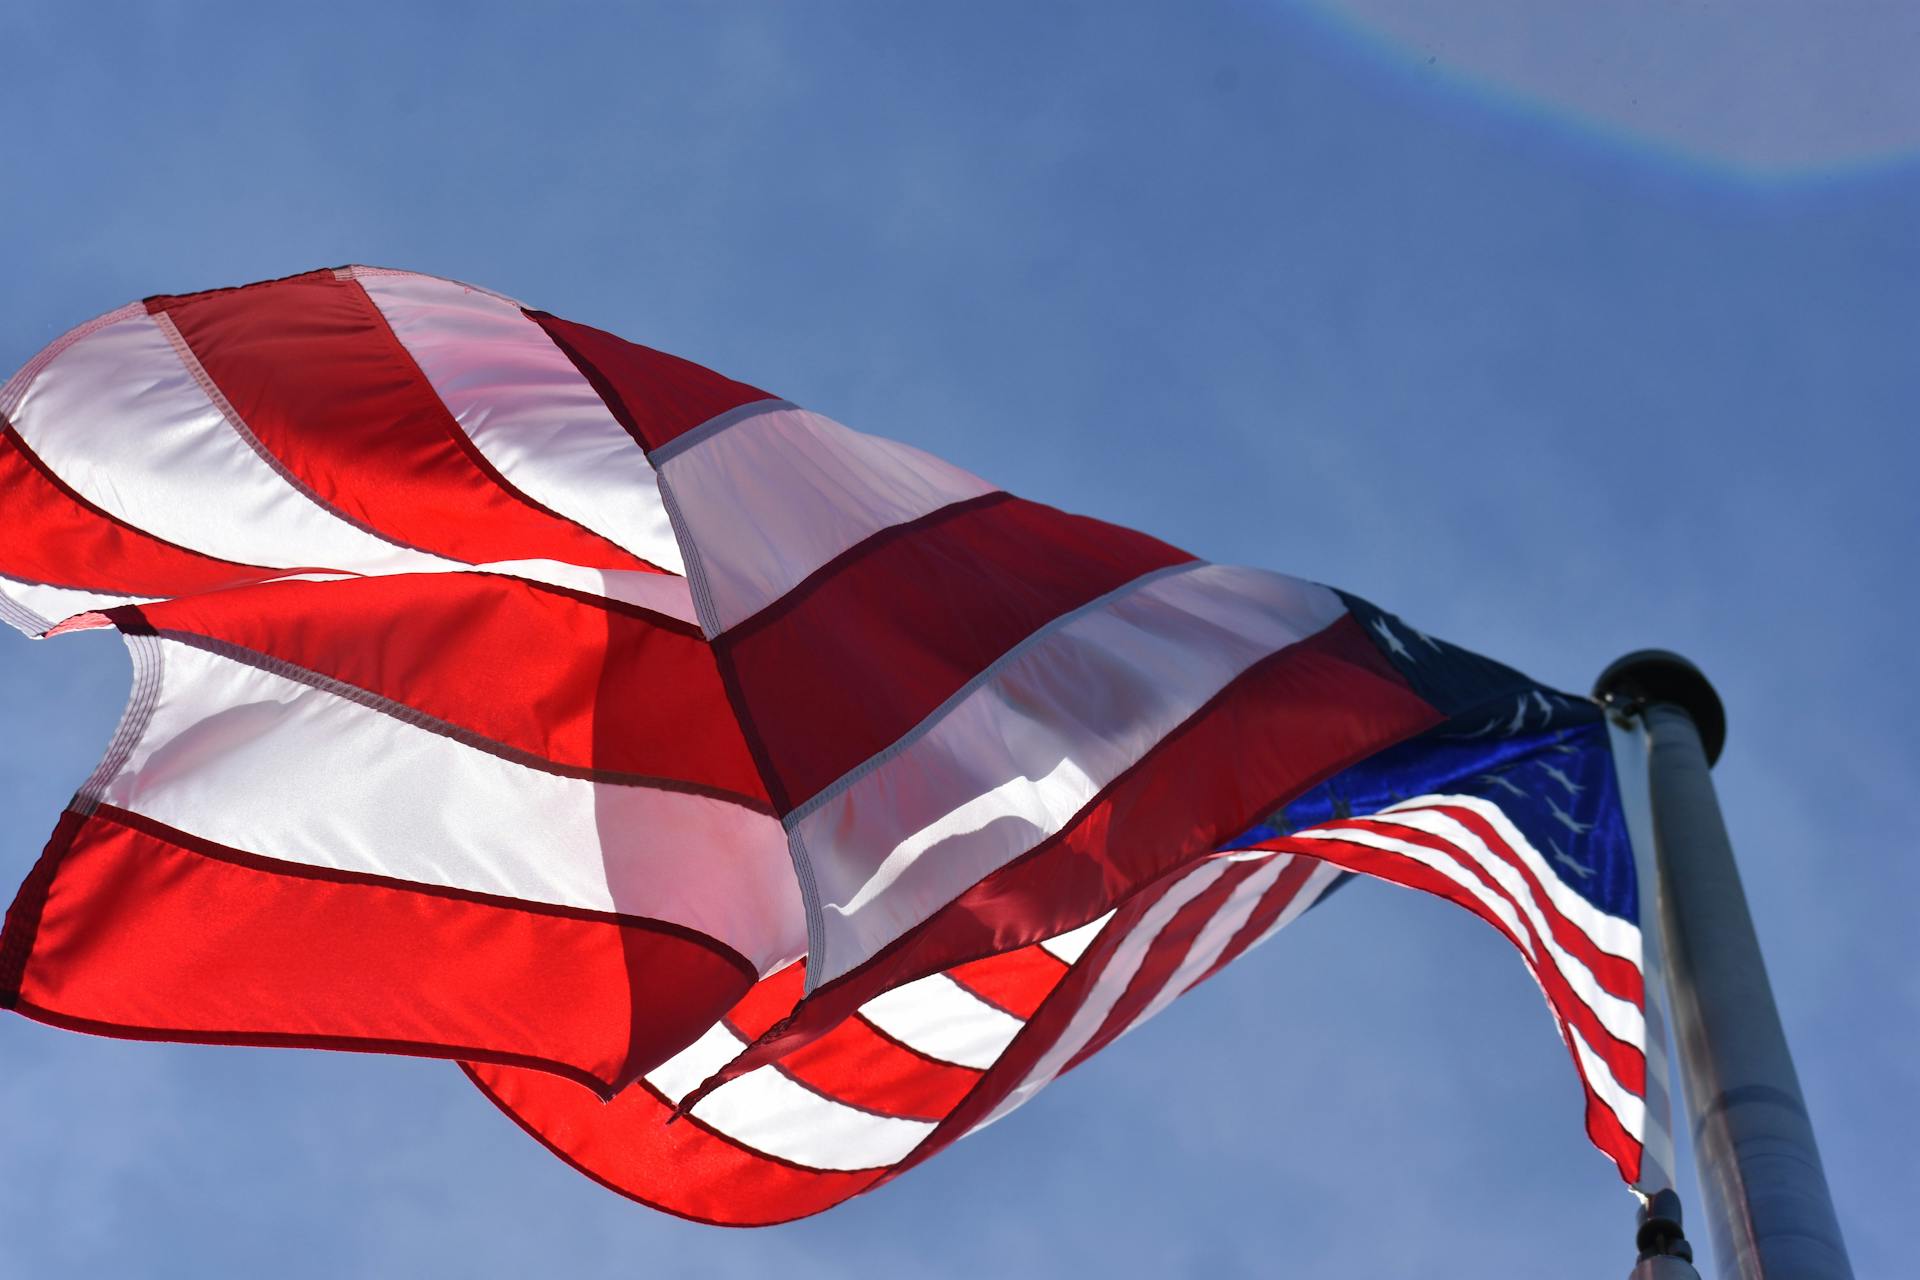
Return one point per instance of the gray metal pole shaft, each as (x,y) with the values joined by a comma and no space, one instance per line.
(1768,1207)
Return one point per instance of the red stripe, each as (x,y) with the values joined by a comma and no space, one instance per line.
(687,1170)
(1043,1030)
(1164,956)
(1615,974)
(23,915)
(310,366)
(147,933)
(862,650)
(1603,1127)
(854,1063)
(1628,1063)
(1278,897)
(1287,723)
(599,690)
(655,396)
(771,999)
(683,1168)
(1605,1131)
(1016,982)
(55,536)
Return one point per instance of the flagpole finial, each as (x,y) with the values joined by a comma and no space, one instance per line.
(1658,675)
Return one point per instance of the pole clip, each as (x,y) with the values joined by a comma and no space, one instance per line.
(1660,1235)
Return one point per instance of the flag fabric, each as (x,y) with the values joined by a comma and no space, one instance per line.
(1513,809)
(508,692)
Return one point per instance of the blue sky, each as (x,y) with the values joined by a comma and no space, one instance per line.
(1560,334)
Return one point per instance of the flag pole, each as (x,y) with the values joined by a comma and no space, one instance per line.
(1768,1209)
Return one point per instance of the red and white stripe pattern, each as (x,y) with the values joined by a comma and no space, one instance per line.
(927,1063)
(981,720)
(386,564)
(1589,964)
(915,1069)
(433,749)
(415,665)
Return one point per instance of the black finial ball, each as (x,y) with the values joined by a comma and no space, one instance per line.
(1656,675)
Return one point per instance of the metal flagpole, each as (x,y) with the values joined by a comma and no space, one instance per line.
(1767,1203)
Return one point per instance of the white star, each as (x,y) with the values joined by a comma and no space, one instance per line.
(1499,781)
(1391,640)
(1560,856)
(1546,708)
(1573,788)
(1519,716)
(1566,819)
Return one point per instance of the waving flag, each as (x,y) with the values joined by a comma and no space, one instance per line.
(508,692)
(1512,808)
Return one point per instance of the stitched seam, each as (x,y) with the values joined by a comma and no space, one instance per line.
(148,673)
(714,426)
(1031,641)
(690,555)
(21,618)
(419,719)
(796,596)
(905,941)
(214,851)
(816,914)
(15,389)
(457,434)
(357,271)
(232,418)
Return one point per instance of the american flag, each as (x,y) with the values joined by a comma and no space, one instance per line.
(751,806)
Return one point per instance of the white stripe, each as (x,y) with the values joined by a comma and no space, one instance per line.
(1620,1017)
(1445,865)
(778,494)
(1226,924)
(1627,1108)
(1042,736)
(772,1114)
(1623,1104)
(1220,930)
(1206,949)
(1071,945)
(1022,798)
(16,386)
(661,592)
(1212,939)
(1107,989)
(1318,881)
(121,420)
(527,409)
(259,762)
(1613,935)
(936,1017)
